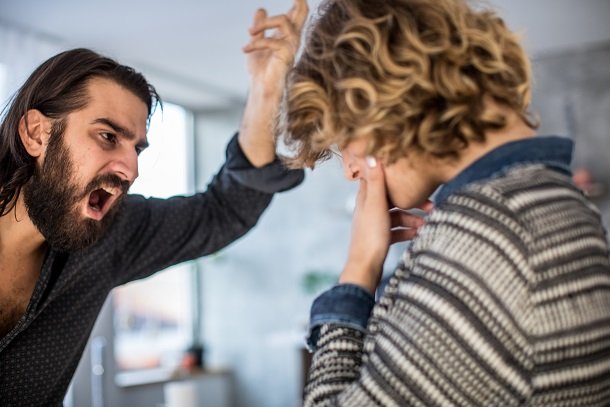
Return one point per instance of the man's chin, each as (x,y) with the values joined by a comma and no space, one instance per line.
(78,235)
(73,245)
(93,214)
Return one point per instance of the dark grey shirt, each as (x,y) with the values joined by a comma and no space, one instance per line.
(39,356)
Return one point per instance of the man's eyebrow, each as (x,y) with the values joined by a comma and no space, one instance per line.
(121,130)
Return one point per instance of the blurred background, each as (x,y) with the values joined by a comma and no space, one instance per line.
(245,309)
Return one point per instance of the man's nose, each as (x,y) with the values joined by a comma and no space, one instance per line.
(125,166)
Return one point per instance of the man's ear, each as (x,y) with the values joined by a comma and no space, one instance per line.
(34,130)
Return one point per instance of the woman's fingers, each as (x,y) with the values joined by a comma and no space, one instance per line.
(427,206)
(402,235)
(402,218)
(370,231)
(404,224)
(375,179)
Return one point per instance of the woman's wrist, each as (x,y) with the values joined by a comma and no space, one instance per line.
(366,277)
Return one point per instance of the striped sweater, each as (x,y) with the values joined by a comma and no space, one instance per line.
(503,299)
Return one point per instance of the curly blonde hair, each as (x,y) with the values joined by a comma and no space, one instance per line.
(406,75)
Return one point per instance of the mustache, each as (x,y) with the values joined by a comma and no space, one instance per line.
(107,180)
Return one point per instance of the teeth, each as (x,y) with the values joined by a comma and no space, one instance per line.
(111,191)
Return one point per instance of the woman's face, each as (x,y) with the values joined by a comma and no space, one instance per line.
(409,181)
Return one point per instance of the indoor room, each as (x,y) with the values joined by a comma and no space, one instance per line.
(229,329)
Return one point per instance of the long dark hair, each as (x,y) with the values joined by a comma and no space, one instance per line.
(56,88)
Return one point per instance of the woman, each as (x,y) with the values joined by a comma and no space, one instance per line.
(503,297)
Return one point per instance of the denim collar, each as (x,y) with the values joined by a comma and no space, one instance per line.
(552,151)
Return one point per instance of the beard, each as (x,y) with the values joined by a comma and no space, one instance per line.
(51,198)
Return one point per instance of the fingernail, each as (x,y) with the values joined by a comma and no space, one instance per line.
(371,161)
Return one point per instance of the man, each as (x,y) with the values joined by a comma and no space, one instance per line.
(503,296)
(69,232)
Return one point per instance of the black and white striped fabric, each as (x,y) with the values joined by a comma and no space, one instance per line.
(503,300)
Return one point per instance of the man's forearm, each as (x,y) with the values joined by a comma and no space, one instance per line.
(256,134)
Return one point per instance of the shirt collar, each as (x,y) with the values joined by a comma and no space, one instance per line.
(552,151)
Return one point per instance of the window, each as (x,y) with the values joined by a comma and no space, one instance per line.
(3,89)
(153,321)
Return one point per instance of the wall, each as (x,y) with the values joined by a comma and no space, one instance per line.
(255,309)
(20,53)
(572,97)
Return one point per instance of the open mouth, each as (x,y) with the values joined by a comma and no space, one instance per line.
(101,200)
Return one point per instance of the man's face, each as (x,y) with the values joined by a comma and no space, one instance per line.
(85,172)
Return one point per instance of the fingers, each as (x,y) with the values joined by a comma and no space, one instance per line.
(375,180)
(284,42)
(402,235)
(401,218)
(361,196)
(259,18)
(265,43)
(427,206)
(285,27)
(404,225)
(370,230)
(288,26)
(298,13)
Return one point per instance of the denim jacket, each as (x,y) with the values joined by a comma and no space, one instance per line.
(350,305)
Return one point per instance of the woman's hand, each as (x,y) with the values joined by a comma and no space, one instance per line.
(406,223)
(374,228)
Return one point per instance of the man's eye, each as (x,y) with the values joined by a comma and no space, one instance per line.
(109,137)
(139,150)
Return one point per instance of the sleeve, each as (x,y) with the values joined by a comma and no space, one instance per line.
(451,328)
(348,305)
(152,234)
(271,178)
